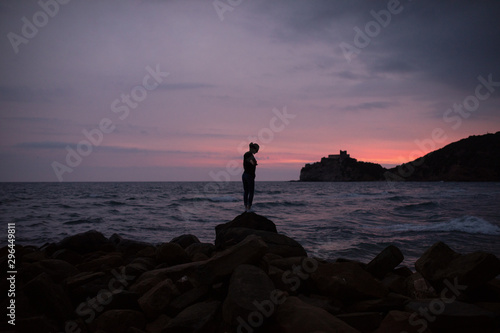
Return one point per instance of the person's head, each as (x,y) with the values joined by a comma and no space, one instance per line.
(254,148)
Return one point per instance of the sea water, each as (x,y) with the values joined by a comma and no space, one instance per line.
(353,220)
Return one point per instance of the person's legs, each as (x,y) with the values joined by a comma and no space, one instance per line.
(246,189)
(251,188)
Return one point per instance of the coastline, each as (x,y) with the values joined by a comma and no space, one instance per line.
(90,283)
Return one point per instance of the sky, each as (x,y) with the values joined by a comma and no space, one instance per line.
(138,90)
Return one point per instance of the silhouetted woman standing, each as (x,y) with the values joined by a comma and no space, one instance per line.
(248,177)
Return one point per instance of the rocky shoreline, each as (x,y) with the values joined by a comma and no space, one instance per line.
(253,279)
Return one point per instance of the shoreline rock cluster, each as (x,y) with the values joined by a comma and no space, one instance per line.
(253,279)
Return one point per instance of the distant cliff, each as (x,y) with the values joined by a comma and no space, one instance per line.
(341,168)
(476,158)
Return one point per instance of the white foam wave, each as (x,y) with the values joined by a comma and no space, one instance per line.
(468,224)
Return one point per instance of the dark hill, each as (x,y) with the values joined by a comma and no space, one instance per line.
(476,158)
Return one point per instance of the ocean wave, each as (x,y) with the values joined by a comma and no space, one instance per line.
(84,221)
(114,203)
(226,198)
(466,224)
(418,206)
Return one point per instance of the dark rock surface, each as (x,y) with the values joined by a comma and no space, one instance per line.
(114,285)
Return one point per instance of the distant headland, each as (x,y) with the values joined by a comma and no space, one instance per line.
(476,158)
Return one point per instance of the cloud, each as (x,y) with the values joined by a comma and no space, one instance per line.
(184,86)
(369,106)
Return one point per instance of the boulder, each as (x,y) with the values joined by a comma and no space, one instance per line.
(247,220)
(399,321)
(103,263)
(419,288)
(156,300)
(390,302)
(39,324)
(119,321)
(58,270)
(347,281)
(385,262)
(188,298)
(295,316)
(48,297)
(440,264)
(449,315)
(396,283)
(68,255)
(150,278)
(158,324)
(82,279)
(250,290)
(200,248)
(363,321)
(127,246)
(86,242)
(185,240)
(278,244)
(221,265)
(171,254)
(123,300)
(198,318)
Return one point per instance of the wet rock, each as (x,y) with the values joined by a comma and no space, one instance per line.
(156,300)
(295,316)
(119,321)
(440,264)
(222,264)
(278,244)
(250,290)
(86,242)
(185,240)
(199,317)
(385,262)
(347,281)
(171,254)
